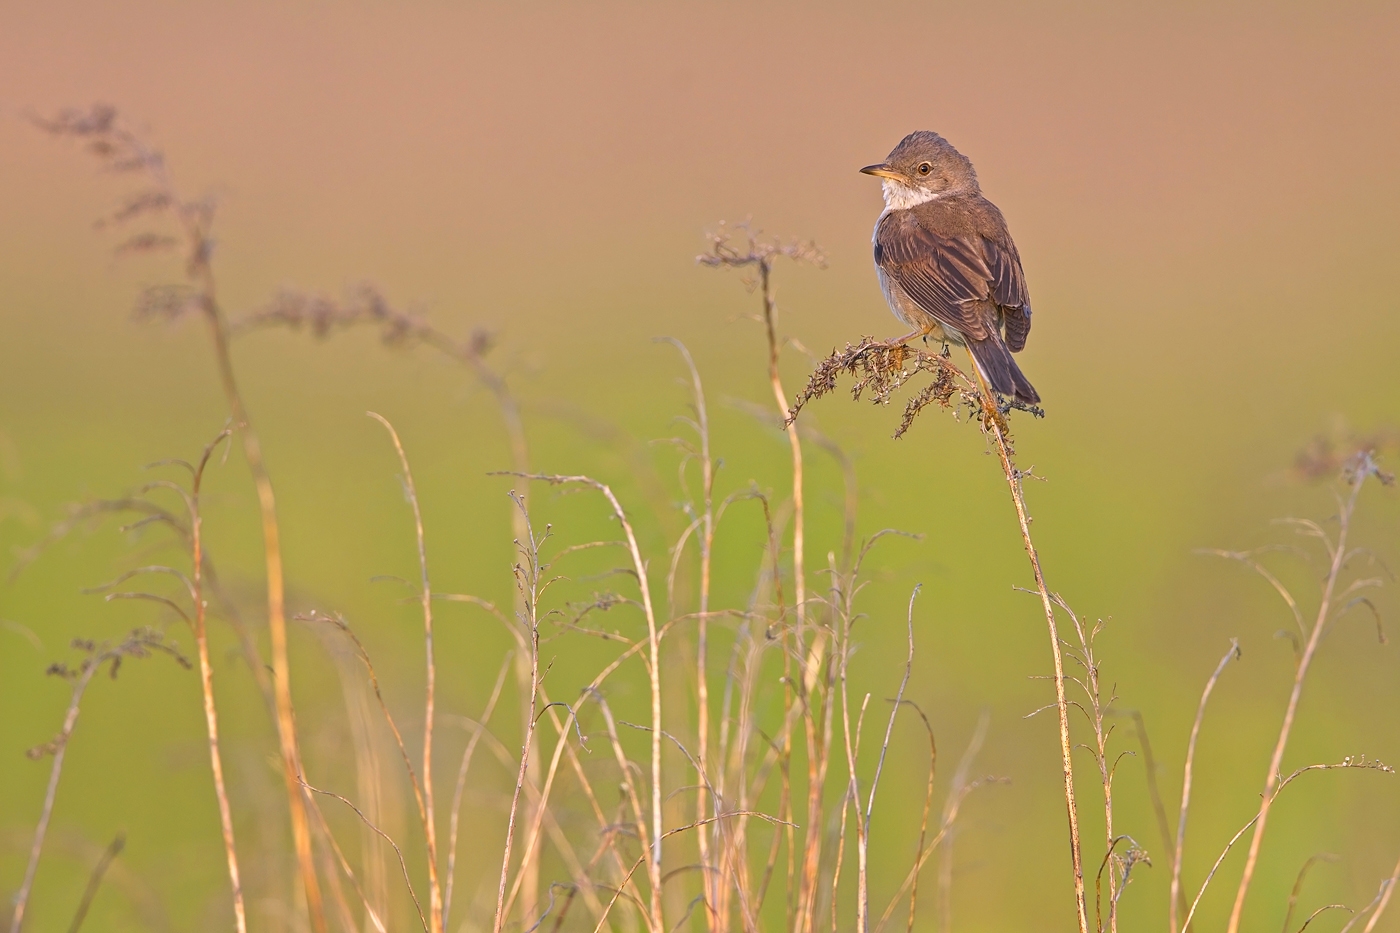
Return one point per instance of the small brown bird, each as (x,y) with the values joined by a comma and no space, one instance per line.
(946,261)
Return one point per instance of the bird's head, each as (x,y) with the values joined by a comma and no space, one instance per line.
(922,167)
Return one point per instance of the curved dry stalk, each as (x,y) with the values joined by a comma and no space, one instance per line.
(1247,558)
(123,149)
(1361,762)
(680,829)
(638,820)
(770,316)
(429,820)
(1383,899)
(530,853)
(140,643)
(760,254)
(653,670)
(1234,652)
(1362,468)
(928,807)
(461,786)
(1214,868)
(706,542)
(272,550)
(370,913)
(1314,914)
(884,366)
(957,795)
(141,571)
(408,881)
(992,420)
(206,680)
(945,867)
(529,584)
(95,880)
(1154,792)
(340,623)
(799,572)
(1298,885)
(365,305)
(863,839)
(1090,684)
(561,843)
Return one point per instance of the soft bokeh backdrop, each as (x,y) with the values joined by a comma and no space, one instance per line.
(1206,201)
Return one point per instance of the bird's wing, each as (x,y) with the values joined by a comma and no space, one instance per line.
(946,275)
(1009,289)
(949,276)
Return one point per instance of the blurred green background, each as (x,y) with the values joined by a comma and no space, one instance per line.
(1205,198)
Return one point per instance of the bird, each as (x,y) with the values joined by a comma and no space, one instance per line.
(946,261)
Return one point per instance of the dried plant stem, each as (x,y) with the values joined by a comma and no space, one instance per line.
(140,643)
(124,150)
(928,808)
(992,420)
(325,848)
(472,354)
(704,799)
(529,583)
(1149,763)
(770,320)
(1271,779)
(1093,694)
(193,223)
(371,915)
(864,838)
(1298,886)
(1360,762)
(1384,900)
(194,219)
(340,623)
(483,722)
(426,596)
(862,850)
(799,574)
(60,747)
(95,880)
(403,865)
(639,567)
(520,530)
(367,306)
(206,680)
(562,845)
(1176,892)
(851,799)
(950,809)
(956,796)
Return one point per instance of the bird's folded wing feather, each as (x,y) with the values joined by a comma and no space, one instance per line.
(1009,290)
(949,276)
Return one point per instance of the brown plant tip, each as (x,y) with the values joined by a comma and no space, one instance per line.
(1328,454)
(140,643)
(881,367)
(755,249)
(363,305)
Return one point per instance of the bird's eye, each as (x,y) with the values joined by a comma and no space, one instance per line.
(925,168)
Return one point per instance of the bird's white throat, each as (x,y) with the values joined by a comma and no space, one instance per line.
(901,197)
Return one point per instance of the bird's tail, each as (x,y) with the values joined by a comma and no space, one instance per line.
(1000,370)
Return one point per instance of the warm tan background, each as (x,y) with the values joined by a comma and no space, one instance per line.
(1206,201)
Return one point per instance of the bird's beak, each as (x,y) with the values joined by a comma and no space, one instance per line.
(882,170)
